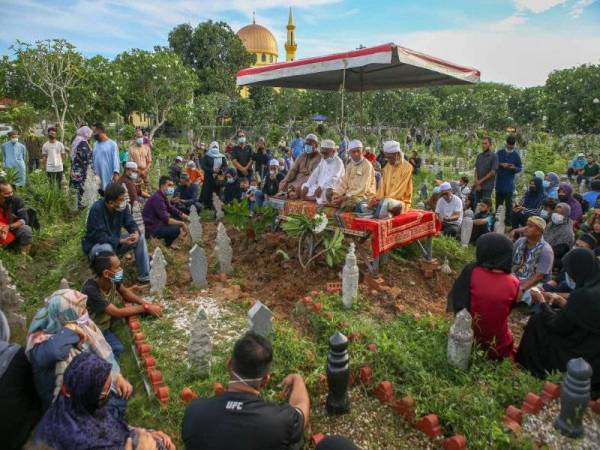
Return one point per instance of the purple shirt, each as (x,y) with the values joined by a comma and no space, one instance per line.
(157,212)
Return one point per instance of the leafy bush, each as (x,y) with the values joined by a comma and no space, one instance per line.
(237,214)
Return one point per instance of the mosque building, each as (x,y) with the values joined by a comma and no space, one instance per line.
(259,41)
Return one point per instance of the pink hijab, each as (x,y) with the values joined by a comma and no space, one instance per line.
(83,134)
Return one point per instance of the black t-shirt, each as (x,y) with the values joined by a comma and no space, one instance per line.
(240,421)
(261,162)
(97,302)
(243,155)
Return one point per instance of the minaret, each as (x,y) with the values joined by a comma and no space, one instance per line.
(290,44)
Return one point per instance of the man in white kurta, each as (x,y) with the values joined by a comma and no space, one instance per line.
(326,175)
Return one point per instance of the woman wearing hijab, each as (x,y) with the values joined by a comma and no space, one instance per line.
(213,163)
(559,232)
(490,308)
(20,409)
(565,195)
(81,157)
(551,183)
(59,332)
(572,329)
(78,419)
(530,205)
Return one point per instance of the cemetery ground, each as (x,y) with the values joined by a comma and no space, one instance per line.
(406,321)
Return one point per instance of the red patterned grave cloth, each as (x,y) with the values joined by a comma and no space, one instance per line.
(386,234)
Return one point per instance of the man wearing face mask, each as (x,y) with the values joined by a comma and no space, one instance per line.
(241,156)
(325,177)
(161,218)
(239,418)
(14,155)
(509,165)
(14,231)
(395,191)
(261,158)
(105,156)
(141,154)
(449,209)
(130,179)
(302,168)
(357,186)
(106,220)
(52,154)
(105,291)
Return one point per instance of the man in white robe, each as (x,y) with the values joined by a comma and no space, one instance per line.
(326,175)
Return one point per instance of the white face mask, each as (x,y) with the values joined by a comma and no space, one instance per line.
(557,218)
(14,140)
(245,381)
(134,176)
(139,141)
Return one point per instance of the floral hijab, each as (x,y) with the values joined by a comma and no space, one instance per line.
(63,307)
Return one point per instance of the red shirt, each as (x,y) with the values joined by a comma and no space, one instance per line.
(370,157)
(4,220)
(493,294)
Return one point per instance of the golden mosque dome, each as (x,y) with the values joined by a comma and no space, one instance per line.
(258,39)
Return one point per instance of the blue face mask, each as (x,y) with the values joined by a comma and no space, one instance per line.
(570,281)
(170,191)
(544,214)
(117,277)
(546,184)
(308,148)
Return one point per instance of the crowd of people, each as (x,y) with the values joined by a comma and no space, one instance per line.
(69,376)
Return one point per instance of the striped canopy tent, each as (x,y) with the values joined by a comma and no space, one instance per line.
(387,66)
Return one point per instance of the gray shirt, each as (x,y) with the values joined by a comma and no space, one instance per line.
(485,163)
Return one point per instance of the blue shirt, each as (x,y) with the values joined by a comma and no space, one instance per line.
(106,161)
(505,178)
(591,198)
(297,146)
(104,226)
(577,164)
(14,155)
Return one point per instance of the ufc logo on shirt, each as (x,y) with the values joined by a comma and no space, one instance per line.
(234,406)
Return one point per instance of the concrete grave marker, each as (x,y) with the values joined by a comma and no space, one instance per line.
(260,319)
(195,225)
(198,266)
(200,344)
(158,272)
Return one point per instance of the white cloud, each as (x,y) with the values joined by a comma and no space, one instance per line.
(509,23)
(537,6)
(577,9)
(522,59)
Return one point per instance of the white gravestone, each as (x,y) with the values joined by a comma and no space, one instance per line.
(158,272)
(195,225)
(223,249)
(198,266)
(260,319)
(349,278)
(460,340)
(200,344)
(218,205)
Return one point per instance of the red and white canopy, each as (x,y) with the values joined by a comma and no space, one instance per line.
(387,66)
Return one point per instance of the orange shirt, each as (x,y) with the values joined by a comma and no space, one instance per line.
(196,175)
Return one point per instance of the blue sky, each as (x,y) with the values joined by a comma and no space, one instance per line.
(511,41)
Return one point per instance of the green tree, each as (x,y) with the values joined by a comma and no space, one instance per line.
(526,106)
(571,94)
(23,118)
(54,68)
(155,83)
(214,52)
(100,93)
